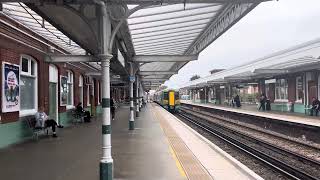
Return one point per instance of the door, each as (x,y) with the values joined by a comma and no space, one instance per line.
(53,105)
(312,91)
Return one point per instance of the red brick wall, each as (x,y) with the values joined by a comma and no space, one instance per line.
(11,51)
(13,56)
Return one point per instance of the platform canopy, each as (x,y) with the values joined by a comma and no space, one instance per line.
(300,58)
(159,36)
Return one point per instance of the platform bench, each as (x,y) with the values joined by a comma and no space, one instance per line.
(35,130)
(77,117)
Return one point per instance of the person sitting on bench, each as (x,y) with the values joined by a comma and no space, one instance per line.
(80,110)
(315,106)
(42,121)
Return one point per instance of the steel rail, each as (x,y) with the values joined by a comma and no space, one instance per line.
(265,158)
(263,132)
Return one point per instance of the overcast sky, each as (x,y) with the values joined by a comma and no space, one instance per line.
(270,27)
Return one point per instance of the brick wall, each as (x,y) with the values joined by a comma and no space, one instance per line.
(10,51)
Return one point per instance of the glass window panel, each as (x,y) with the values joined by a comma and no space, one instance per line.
(32,68)
(81,94)
(69,89)
(27,93)
(24,65)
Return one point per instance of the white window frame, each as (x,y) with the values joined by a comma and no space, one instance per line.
(54,78)
(297,92)
(88,95)
(70,82)
(276,89)
(33,111)
(98,93)
(81,82)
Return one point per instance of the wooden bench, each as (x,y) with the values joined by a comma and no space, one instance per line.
(35,130)
(77,117)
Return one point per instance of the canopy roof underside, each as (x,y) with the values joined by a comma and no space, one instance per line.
(169,29)
(154,27)
(178,29)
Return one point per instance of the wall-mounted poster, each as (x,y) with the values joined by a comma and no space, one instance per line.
(10,88)
(63,90)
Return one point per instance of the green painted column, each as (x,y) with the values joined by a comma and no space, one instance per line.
(131,120)
(137,96)
(106,162)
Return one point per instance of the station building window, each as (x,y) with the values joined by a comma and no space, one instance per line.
(299,89)
(70,90)
(28,86)
(98,93)
(88,96)
(281,90)
(89,82)
(81,89)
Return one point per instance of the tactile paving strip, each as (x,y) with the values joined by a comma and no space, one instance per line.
(192,167)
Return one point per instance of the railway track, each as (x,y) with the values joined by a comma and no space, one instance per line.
(291,144)
(288,163)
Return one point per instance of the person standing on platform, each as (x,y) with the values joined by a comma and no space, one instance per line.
(237,101)
(315,106)
(112,108)
(268,104)
(262,102)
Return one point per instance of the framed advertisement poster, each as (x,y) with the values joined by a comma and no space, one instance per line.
(63,90)
(10,87)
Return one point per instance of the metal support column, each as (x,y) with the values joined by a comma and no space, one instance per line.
(131,120)
(205,95)
(140,99)
(106,162)
(137,96)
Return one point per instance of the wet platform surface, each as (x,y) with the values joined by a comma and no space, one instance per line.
(140,154)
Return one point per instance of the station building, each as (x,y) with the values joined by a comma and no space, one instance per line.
(58,87)
(289,78)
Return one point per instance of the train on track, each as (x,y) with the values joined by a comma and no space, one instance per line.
(169,99)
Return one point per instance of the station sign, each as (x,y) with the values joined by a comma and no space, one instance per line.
(270,81)
(132,78)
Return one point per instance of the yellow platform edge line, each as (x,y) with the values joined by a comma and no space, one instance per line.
(173,154)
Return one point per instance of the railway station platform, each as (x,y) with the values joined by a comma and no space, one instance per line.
(252,110)
(160,147)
